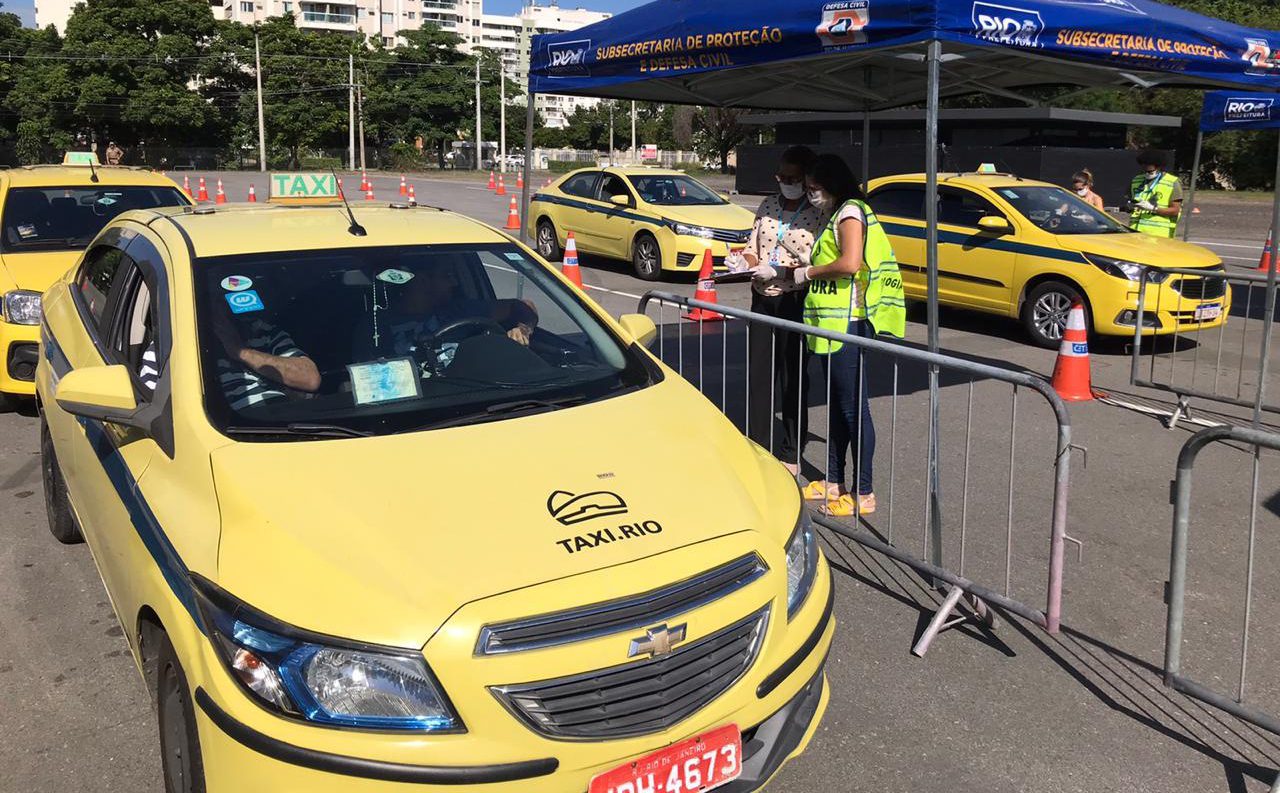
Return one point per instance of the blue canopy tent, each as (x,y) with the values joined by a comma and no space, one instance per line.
(864,55)
(1224,111)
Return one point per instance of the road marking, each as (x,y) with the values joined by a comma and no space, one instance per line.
(1227,245)
(611,291)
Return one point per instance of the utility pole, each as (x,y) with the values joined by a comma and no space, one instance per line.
(479,142)
(611,132)
(360,117)
(351,112)
(262,127)
(635,153)
(502,114)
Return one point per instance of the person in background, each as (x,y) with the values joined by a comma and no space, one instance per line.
(114,153)
(1155,197)
(1082,183)
(854,287)
(782,238)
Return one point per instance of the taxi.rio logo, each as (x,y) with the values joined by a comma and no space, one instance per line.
(1007,25)
(1239,110)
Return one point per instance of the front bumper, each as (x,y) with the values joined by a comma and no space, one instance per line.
(687,253)
(19,351)
(1165,312)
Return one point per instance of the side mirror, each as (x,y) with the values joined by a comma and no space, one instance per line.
(994,223)
(620,200)
(104,393)
(639,327)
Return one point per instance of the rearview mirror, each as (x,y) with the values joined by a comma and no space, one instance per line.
(994,223)
(639,327)
(620,200)
(104,393)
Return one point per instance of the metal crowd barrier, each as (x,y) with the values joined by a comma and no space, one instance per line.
(992,528)
(1181,496)
(1228,364)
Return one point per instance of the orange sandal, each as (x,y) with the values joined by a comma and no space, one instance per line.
(843,507)
(819,491)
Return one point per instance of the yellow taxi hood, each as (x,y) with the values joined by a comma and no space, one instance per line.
(382,539)
(1142,248)
(37,271)
(722,216)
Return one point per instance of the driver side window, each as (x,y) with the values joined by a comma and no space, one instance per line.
(964,208)
(612,185)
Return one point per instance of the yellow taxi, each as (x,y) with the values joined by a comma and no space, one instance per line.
(48,213)
(1028,249)
(382,503)
(656,219)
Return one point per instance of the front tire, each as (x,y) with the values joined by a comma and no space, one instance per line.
(180,757)
(1044,312)
(646,258)
(548,243)
(57,506)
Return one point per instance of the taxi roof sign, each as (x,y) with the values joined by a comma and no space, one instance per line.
(80,158)
(987,167)
(303,188)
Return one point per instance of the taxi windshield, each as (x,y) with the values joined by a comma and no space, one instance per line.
(1059,212)
(375,341)
(675,191)
(68,218)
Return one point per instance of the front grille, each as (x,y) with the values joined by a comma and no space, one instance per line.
(732,237)
(602,619)
(689,259)
(22,361)
(1194,288)
(640,697)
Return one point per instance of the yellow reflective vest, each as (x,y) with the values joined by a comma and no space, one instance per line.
(1158,192)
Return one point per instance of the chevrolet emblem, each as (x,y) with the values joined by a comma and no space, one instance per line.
(657,641)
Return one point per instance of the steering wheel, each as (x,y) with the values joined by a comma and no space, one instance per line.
(477,326)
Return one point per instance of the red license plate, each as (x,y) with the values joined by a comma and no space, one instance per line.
(702,763)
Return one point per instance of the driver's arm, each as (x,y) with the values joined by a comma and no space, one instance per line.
(295,371)
(520,317)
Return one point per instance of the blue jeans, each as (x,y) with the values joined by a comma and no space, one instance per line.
(847,402)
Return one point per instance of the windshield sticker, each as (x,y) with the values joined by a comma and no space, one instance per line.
(394,276)
(237,283)
(106,200)
(26,230)
(1012,194)
(515,257)
(244,302)
(384,381)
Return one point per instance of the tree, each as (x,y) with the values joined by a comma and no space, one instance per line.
(719,132)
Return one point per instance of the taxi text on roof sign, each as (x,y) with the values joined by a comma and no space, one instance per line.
(303,188)
(80,158)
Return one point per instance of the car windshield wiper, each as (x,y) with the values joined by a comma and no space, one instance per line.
(519,407)
(302,429)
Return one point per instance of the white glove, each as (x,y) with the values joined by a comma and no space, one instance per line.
(735,261)
(764,272)
(801,276)
(1145,204)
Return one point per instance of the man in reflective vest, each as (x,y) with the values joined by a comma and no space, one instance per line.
(1155,197)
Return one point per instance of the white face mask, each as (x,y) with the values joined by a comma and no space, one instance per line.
(791,192)
(1152,175)
(1083,191)
(819,199)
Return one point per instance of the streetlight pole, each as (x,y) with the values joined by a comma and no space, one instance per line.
(611,132)
(634,151)
(479,142)
(351,112)
(502,114)
(360,118)
(262,127)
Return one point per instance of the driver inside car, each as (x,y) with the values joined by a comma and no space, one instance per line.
(257,358)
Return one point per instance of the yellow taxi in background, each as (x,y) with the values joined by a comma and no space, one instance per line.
(656,219)
(382,503)
(48,213)
(1028,249)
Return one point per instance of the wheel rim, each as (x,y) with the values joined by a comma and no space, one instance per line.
(546,238)
(173,733)
(647,256)
(1049,314)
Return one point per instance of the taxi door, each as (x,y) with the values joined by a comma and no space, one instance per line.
(975,266)
(612,223)
(578,212)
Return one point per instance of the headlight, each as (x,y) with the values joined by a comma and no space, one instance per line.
(1120,268)
(802,562)
(324,681)
(22,307)
(694,231)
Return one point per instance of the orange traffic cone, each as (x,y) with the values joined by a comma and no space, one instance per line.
(253,195)
(706,292)
(368,193)
(340,193)
(513,216)
(570,267)
(548,184)
(502,186)
(519,180)
(1266,262)
(186,186)
(1071,372)
(220,197)
(413,197)
(364,182)
(492,184)
(202,194)
(404,187)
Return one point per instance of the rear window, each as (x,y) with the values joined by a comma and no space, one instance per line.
(68,218)
(901,201)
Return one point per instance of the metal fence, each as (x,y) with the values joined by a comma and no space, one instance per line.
(1254,441)
(1229,364)
(1005,484)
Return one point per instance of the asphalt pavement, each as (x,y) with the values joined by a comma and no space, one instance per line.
(985,711)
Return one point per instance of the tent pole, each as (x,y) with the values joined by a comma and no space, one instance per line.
(1269,310)
(1191,188)
(529,117)
(866,150)
(934,518)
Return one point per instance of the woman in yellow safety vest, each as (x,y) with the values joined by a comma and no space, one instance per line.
(854,287)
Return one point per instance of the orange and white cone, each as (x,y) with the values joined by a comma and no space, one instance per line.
(1267,261)
(513,216)
(202,194)
(493,185)
(570,267)
(364,182)
(413,197)
(253,195)
(502,187)
(220,197)
(519,180)
(340,193)
(186,186)
(1071,372)
(368,193)
(404,187)
(548,184)
(706,292)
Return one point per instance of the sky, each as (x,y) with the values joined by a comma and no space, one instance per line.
(26,8)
